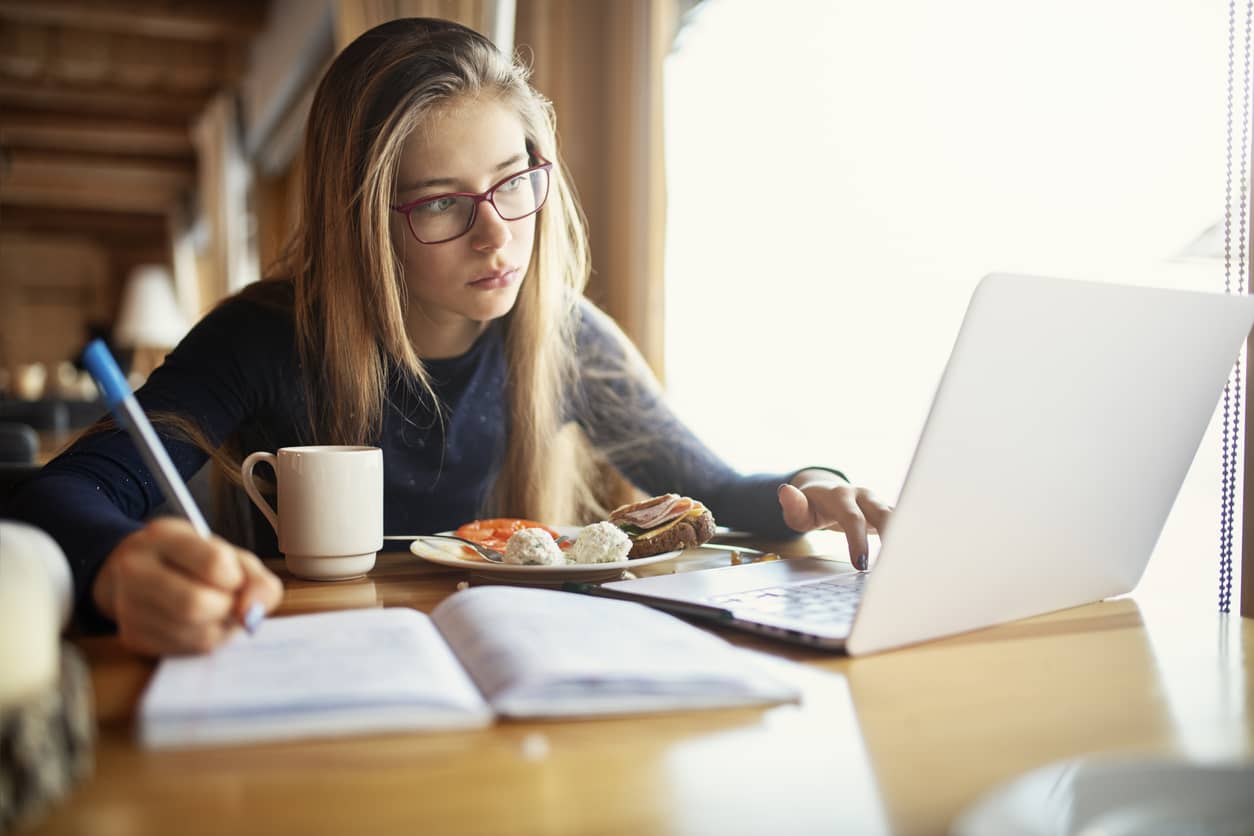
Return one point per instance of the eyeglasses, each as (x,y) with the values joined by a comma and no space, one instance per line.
(434,220)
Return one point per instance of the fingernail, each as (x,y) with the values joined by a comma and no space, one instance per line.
(254,616)
(860,563)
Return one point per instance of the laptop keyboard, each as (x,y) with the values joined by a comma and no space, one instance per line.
(828,601)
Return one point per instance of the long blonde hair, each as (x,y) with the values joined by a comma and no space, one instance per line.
(350,296)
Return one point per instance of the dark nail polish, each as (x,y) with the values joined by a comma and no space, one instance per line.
(860,562)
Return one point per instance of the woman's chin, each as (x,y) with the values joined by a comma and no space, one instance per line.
(492,304)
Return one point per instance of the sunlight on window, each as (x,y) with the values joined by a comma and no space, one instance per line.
(842,174)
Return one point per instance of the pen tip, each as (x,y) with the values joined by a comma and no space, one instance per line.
(254,616)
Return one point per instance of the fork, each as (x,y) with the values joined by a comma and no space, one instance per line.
(483,551)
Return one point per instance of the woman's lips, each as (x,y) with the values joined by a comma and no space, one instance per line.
(495,281)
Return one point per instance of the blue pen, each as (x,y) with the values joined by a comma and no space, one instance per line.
(121,402)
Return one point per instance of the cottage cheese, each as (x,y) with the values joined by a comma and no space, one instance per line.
(533,547)
(601,542)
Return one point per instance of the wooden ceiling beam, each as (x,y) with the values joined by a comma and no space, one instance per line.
(80,56)
(86,195)
(130,229)
(193,20)
(106,100)
(77,182)
(161,167)
(21,129)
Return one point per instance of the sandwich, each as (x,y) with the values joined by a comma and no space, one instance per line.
(664,523)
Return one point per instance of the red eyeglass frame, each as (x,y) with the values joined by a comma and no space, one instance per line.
(479,197)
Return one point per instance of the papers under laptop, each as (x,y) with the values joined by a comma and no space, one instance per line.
(1063,426)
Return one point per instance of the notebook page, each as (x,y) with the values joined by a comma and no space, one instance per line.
(543,653)
(313,675)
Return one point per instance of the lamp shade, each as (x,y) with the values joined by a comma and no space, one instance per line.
(149,316)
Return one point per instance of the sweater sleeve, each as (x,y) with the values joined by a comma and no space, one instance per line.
(99,490)
(621,408)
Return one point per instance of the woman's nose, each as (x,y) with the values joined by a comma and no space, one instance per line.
(490,232)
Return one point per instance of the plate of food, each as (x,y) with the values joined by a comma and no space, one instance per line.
(643,533)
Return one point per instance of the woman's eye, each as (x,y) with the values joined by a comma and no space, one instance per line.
(437,206)
(513,184)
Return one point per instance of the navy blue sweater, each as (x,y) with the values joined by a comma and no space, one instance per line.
(237,375)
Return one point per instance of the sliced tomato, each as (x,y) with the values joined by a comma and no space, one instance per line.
(495,533)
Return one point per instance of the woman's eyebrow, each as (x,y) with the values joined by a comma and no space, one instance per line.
(451,183)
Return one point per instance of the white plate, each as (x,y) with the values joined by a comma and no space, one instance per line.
(510,573)
(1117,797)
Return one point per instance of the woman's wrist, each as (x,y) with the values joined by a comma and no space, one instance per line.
(810,476)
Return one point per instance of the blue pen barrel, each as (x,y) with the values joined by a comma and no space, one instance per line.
(117,394)
(104,370)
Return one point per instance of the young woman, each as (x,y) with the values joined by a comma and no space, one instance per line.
(431,304)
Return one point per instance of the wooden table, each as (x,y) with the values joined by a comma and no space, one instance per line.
(894,743)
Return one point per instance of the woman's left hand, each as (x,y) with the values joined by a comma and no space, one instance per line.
(816,499)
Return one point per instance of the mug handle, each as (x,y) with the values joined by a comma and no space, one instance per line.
(250,487)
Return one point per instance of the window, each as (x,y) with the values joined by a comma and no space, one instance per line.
(841,174)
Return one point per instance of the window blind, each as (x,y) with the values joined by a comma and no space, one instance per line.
(1236,208)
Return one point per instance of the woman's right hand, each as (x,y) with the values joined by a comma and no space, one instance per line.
(171,591)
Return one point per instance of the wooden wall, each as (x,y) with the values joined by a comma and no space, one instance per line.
(51,287)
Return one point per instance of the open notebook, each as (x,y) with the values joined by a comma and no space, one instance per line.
(484,652)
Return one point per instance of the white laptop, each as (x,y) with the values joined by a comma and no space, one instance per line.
(1059,436)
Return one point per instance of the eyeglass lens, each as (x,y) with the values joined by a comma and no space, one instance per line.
(448,217)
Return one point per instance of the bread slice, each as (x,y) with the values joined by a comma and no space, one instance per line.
(686,534)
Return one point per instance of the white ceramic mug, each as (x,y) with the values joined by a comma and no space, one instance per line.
(330,516)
